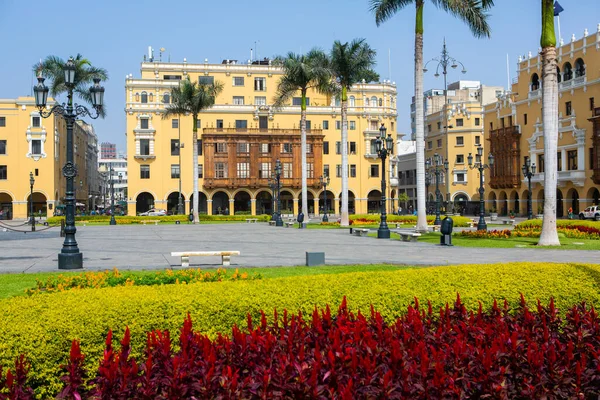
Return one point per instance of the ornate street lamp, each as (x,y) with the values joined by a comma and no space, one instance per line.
(31,216)
(112,197)
(436,166)
(273,186)
(70,257)
(385,147)
(481,225)
(427,183)
(324,181)
(278,220)
(529,172)
(180,210)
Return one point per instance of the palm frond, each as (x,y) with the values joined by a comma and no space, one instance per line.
(352,62)
(472,12)
(385,9)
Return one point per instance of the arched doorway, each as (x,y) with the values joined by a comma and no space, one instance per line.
(573,200)
(514,198)
(143,202)
(493,203)
(559,204)
(593,196)
(220,203)
(241,203)
(374,202)
(524,205)
(310,202)
(460,203)
(202,203)
(539,207)
(287,202)
(328,202)
(392,202)
(39,203)
(173,203)
(503,203)
(6,206)
(351,203)
(264,203)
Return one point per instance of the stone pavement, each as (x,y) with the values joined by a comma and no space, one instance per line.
(149,247)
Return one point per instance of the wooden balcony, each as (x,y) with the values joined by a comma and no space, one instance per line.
(268,131)
(255,183)
(505,145)
(596,145)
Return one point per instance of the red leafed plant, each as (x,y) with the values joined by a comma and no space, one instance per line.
(450,354)
(14,385)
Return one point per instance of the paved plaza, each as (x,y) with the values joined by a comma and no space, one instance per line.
(149,247)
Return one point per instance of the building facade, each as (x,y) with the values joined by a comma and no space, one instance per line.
(118,180)
(242,136)
(32,144)
(108,150)
(404,174)
(514,130)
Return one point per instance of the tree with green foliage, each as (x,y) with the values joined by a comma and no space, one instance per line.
(302,72)
(473,13)
(192,98)
(350,64)
(549,235)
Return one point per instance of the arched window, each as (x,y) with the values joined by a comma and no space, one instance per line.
(366,102)
(351,101)
(337,101)
(166,98)
(150,97)
(380,102)
(137,97)
(567,72)
(535,82)
(391,101)
(579,68)
(374,101)
(144,97)
(558,77)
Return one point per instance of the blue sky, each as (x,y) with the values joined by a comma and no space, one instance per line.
(116,34)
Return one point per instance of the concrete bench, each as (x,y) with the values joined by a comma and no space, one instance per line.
(409,236)
(251,220)
(272,223)
(149,221)
(508,221)
(289,224)
(185,256)
(360,231)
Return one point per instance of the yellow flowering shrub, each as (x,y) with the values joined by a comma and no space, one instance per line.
(42,326)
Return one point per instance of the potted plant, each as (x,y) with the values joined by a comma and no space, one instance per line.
(493,214)
(511,214)
(540,213)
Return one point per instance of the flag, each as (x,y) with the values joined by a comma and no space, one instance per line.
(557,9)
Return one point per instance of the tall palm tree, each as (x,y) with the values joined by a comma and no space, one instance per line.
(51,68)
(473,13)
(549,235)
(191,98)
(301,73)
(350,64)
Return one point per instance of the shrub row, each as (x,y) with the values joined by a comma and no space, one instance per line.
(369,219)
(125,220)
(455,354)
(43,326)
(95,280)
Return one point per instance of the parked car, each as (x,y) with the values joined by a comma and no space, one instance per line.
(153,212)
(592,212)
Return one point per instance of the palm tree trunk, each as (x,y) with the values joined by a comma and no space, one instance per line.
(303,150)
(195,168)
(419,121)
(549,235)
(345,219)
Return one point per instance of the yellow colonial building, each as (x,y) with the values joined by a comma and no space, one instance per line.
(514,131)
(241,137)
(32,144)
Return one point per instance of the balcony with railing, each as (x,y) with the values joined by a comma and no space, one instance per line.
(505,146)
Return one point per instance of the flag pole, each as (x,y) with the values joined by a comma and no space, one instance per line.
(559,36)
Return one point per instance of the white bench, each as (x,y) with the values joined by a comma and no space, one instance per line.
(508,221)
(272,223)
(251,220)
(409,237)
(185,256)
(149,221)
(360,231)
(289,224)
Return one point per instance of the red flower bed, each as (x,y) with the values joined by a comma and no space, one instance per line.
(452,354)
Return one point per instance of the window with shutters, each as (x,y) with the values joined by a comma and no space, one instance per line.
(243,170)
(220,170)
(238,81)
(265,170)
(287,170)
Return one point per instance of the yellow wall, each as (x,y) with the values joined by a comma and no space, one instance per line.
(575,131)
(365,120)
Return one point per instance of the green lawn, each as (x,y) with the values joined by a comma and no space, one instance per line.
(16,284)
(513,242)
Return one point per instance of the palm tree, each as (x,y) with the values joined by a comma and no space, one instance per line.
(473,12)
(191,98)
(350,64)
(301,73)
(52,69)
(549,235)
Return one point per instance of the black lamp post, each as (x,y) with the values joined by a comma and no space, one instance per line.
(273,185)
(436,166)
(427,183)
(113,221)
(385,147)
(31,216)
(324,181)
(481,225)
(70,257)
(121,189)
(529,172)
(278,220)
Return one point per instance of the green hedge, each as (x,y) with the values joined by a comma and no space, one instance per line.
(537,223)
(125,220)
(410,219)
(42,326)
